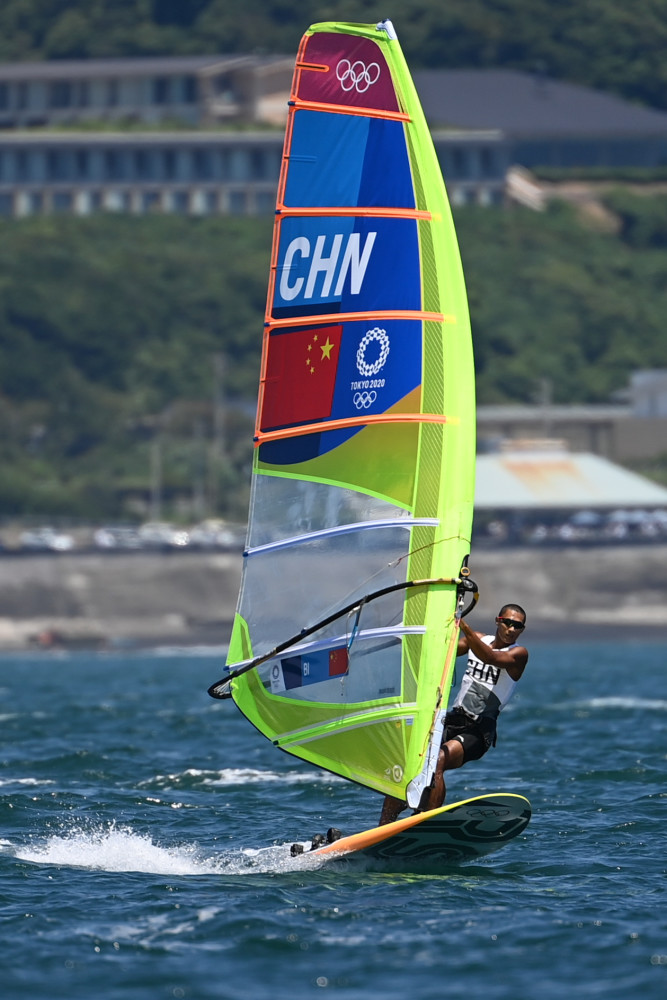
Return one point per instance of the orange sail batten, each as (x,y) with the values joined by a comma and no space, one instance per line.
(337,109)
(384,314)
(333,425)
(354,212)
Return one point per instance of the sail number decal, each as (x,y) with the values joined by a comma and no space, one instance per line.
(348,264)
(326,264)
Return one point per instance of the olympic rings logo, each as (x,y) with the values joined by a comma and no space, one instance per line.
(363,400)
(357,76)
(375,334)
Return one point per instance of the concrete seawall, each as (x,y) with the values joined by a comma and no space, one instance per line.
(91,599)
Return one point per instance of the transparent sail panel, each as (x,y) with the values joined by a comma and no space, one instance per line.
(285,507)
(339,569)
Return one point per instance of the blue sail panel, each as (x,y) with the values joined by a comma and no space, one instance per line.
(340,160)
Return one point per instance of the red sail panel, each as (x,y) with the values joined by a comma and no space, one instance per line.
(342,69)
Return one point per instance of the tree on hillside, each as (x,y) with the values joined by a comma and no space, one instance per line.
(609,44)
(119,336)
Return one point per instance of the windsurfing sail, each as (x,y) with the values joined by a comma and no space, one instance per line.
(344,639)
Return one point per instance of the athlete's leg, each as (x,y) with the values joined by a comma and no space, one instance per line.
(391,809)
(450,757)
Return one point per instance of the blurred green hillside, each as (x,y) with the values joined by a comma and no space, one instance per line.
(123,335)
(615,45)
(129,346)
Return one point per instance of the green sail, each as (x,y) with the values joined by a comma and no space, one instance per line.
(363,472)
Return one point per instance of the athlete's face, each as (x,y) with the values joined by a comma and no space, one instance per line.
(509,626)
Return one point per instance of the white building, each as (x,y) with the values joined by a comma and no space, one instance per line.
(189,172)
(194,172)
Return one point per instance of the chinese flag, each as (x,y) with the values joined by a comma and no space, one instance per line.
(300,376)
(338,662)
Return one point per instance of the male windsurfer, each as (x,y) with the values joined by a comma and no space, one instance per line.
(495,664)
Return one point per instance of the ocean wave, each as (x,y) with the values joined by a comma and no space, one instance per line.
(621,701)
(235,776)
(32,782)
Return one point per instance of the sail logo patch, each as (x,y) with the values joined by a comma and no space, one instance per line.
(372,355)
(376,334)
(327,264)
(364,400)
(357,75)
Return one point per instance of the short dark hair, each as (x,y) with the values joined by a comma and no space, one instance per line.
(512,607)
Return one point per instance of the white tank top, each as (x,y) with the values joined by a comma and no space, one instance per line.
(485,689)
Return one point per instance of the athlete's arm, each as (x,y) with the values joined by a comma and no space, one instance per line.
(512,660)
(463,645)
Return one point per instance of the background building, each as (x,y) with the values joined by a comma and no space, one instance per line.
(191,90)
(544,122)
(630,431)
(191,171)
(485,124)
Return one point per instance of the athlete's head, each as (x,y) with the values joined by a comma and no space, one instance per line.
(510,623)
(512,607)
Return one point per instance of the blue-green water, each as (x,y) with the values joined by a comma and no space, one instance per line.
(132,808)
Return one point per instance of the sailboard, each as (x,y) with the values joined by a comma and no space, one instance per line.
(461,831)
(355,567)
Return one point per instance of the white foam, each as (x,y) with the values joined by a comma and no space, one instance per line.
(644,704)
(120,849)
(25,781)
(113,849)
(243,776)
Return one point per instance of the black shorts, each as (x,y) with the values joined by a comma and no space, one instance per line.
(476,736)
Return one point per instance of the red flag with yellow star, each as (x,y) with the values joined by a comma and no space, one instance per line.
(300,376)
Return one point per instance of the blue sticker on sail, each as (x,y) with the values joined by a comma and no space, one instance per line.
(341,160)
(347,265)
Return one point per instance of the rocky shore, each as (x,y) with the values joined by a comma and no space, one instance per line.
(93,600)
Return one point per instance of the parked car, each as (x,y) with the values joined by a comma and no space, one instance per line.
(213,534)
(46,540)
(117,538)
(160,535)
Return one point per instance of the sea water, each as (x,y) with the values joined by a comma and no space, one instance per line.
(145,832)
